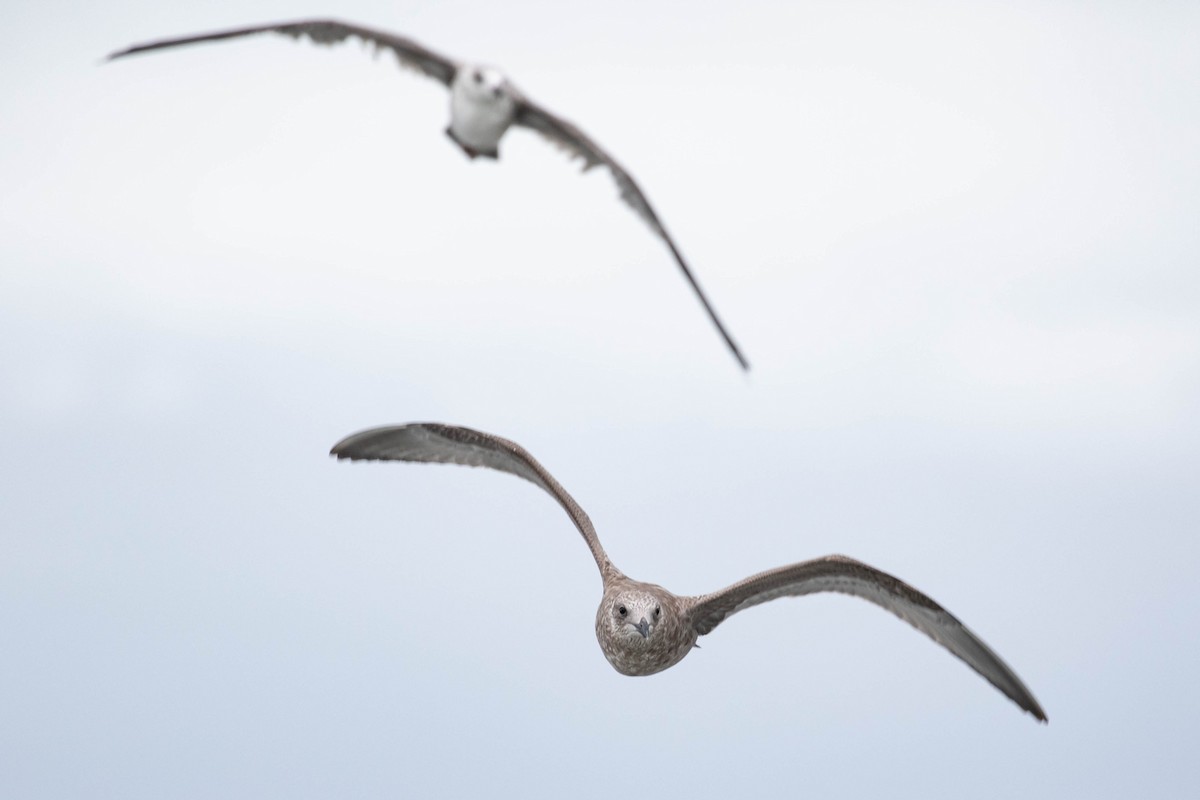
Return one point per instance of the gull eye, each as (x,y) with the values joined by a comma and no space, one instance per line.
(478,76)
(622,610)
(657,611)
(496,92)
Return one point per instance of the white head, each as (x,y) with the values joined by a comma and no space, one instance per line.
(486,86)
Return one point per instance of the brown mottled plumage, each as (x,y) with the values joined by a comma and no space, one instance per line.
(642,627)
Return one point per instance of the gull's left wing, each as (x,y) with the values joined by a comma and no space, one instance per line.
(567,136)
(845,575)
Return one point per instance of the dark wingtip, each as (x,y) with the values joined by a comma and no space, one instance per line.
(354,448)
(344,455)
(115,54)
(733,348)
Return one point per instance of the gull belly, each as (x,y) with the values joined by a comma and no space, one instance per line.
(477,121)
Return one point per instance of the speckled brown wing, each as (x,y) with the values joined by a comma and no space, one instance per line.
(324,31)
(570,138)
(845,575)
(450,444)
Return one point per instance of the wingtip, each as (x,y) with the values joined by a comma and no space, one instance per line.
(734,350)
(351,457)
(115,54)
(339,452)
(1028,703)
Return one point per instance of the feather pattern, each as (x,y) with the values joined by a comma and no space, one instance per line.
(448,444)
(846,575)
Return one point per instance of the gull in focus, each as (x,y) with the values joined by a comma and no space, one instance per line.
(484,104)
(642,627)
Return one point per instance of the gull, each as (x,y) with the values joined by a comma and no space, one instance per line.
(484,104)
(642,627)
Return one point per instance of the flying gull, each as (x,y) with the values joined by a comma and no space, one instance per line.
(484,104)
(642,627)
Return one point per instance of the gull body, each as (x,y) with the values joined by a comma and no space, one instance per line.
(644,628)
(482,109)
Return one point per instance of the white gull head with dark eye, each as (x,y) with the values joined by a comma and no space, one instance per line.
(482,108)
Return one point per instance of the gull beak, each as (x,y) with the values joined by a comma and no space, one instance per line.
(643,628)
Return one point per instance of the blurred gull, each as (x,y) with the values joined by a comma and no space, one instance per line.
(483,105)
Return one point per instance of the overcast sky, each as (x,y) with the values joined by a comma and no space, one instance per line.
(957,241)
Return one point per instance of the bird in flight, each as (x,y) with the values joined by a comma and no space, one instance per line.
(642,627)
(484,104)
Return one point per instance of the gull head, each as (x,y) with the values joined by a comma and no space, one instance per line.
(633,616)
(641,629)
(486,87)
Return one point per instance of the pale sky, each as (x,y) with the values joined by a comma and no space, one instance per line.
(957,241)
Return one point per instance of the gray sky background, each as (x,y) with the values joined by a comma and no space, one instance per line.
(957,241)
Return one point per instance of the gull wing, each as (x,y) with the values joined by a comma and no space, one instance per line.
(324,31)
(845,575)
(433,442)
(566,136)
